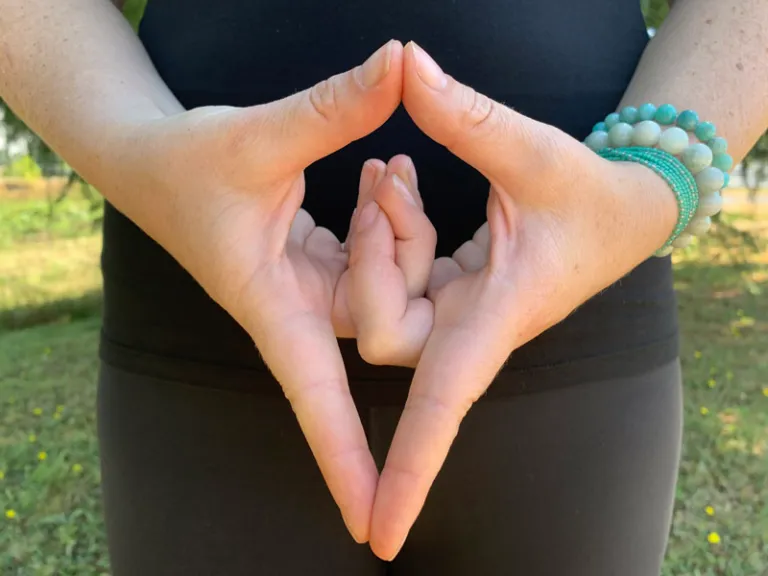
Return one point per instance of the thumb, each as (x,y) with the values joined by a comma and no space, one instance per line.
(298,130)
(494,139)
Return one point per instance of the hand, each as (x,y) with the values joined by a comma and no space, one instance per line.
(563,224)
(380,297)
(221,188)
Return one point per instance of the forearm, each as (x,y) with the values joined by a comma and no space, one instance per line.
(711,56)
(75,72)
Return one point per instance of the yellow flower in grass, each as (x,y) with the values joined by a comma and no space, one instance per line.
(32,438)
(2,474)
(77,468)
(713,538)
(765,391)
(10,514)
(60,408)
(697,354)
(709,510)
(711,383)
(57,416)
(704,410)
(42,456)
(37,411)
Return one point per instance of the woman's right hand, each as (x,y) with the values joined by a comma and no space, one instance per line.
(220,188)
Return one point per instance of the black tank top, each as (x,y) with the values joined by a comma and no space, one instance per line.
(564,62)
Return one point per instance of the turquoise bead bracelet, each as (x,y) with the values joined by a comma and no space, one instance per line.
(660,138)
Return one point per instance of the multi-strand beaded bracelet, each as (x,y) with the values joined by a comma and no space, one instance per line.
(660,139)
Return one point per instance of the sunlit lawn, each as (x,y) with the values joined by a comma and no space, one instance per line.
(49,485)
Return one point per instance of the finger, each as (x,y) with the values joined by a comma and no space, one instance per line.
(444,270)
(390,328)
(470,256)
(493,138)
(303,354)
(292,133)
(456,367)
(402,165)
(370,175)
(302,226)
(415,236)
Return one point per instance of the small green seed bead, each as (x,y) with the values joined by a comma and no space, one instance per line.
(620,135)
(718,145)
(600,127)
(597,140)
(688,120)
(697,157)
(723,161)
(666,114)
(705,131)
(646,112)
(628,114)
(611,120)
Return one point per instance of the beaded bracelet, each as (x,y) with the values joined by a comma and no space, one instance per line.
(696,172)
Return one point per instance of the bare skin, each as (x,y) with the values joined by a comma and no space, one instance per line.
(221,188)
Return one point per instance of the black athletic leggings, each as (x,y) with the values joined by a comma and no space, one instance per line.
(576,480)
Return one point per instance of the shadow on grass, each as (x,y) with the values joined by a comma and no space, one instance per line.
(65,310)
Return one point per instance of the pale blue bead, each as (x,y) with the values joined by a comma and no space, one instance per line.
(597,140)
(709,205)
(600,127)
(688,120)
(710,179)
(646,112)
(718,145)
(666,114)
(611,120)
(699,226)
(705,131)
(723,161)
(661,252)
(628,114)
(697,157)
(646,133)
(682,241)
(620,135)
(727,179)
(674,140)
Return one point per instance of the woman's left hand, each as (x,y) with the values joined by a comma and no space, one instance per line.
(563,224)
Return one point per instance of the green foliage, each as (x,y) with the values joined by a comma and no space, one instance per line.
(49,466)
(133,10)
(23,167)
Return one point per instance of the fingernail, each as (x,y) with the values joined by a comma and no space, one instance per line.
(376,67)
(367,215)
(428,70)
(403,189)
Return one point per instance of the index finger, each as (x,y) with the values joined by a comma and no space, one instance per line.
(303,354)
(456,367)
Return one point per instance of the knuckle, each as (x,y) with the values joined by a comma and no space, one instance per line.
(324,98)
(480,113)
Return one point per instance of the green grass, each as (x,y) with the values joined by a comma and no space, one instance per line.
(58,529)
(47,377)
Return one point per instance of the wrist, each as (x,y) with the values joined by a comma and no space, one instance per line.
(649,204)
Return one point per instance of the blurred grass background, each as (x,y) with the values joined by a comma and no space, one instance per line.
(50,302)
